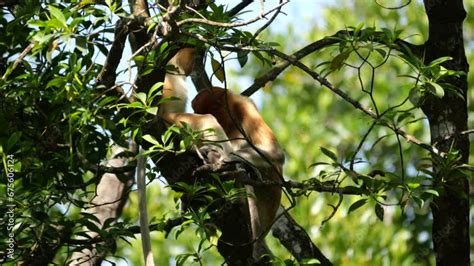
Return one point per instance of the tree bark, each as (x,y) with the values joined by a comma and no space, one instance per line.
(111,196)
(448,118)
(296,240)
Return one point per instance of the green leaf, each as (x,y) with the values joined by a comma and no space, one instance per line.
(56,82)
(58,14)
(12,140)
(379,211)
(438,91)
(329,154)
(381,51)
(150,139)
(339,60)
(37,23)
(261,58)
(142,97)
(358,28)
(152,110)
(81,44)
(106,100)
(135,133)
(218,70)
(432,192)
(415,96)
(89,216)
(134,105)
(440,60)
(356,205)
(153,88)
(404,116)
(318,163)
(419,201)
(242,57)
(311,261)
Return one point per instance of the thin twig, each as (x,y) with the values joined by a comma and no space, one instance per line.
(227,24)
(18,60)
(261,29)
(334,210)
(195,11)
(467,132)
(400,45)
(361,143)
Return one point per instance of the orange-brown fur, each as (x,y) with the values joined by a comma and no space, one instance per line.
(212,111)
(252,141)
(175,81)
(173,111)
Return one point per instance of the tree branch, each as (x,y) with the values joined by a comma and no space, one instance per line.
(271,75)
(199,76)
(296,240)
(111,195)
(108,74)
(239,7)
(356,104)
(226,24)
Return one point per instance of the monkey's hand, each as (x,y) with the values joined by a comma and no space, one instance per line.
(216,163)
(211,154)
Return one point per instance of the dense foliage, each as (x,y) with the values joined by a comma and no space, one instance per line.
(59,123)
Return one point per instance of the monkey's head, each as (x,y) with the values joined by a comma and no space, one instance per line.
(212,101)
(226,106)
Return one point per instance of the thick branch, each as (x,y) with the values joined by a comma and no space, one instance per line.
(325,188)
(400,45)
(140,8)
(111,195)
(296,240)
(199,76)
(239,7)
(230,172)
(356,104)
(108,74)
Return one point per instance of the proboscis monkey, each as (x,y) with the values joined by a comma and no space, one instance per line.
(262,208)
(254,143)
(172,111)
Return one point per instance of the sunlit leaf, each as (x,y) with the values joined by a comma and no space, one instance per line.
(440,60)
(438,91)
(58,14)
(150,139)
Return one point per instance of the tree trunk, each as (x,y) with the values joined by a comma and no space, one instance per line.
(448,119)
(111,196)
